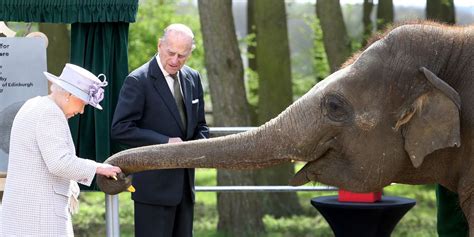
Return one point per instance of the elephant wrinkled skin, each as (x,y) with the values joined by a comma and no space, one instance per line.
(391,114)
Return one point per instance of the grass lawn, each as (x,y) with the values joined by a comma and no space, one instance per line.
(420,221)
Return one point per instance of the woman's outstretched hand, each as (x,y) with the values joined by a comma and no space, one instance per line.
(108,170)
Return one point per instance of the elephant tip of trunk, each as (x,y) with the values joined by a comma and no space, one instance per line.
(115,186)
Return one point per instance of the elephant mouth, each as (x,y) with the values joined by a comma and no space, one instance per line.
(301,177)
(309,172)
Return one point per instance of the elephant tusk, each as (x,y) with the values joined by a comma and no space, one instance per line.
(114,177)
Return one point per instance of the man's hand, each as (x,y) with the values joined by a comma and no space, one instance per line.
(175,140)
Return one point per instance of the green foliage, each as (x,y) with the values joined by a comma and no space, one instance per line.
(90,219)
(320,61)
(251,86)
(422,214)
(446,3)
(301,85)
(152,19)
(251,76)
(297,226)
(207,177)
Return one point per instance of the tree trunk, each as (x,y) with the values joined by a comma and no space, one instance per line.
(58,47)
(275,94)
(239,213)
(441,10)
(367,21)
(384,14)
(336,41)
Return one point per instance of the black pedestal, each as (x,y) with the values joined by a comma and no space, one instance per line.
(363,219)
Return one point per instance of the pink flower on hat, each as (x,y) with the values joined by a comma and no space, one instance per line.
(96,92)
(81,83)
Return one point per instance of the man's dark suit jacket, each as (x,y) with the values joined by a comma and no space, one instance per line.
(147,114)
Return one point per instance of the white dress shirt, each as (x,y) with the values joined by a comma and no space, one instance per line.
(169,79)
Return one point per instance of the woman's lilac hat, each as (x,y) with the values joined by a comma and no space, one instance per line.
(81,83)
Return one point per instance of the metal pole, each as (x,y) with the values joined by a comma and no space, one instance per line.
(112,222)
(226,189)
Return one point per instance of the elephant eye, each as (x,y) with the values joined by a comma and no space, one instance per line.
(337,108)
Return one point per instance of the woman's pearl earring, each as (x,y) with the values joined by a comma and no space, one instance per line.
(67,98)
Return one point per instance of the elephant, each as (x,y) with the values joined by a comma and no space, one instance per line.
(391,114)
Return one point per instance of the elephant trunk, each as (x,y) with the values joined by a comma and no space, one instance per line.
(275,142)
(248,150)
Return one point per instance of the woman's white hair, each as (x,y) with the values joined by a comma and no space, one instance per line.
(57,89)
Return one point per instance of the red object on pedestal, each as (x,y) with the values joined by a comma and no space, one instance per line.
(346,196)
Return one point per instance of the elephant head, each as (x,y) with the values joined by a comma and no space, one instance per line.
(391,114)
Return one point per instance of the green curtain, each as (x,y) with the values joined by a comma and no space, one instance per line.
(101,48)
(68,11)
(451,220)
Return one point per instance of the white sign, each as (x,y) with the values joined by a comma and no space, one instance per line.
(22,63)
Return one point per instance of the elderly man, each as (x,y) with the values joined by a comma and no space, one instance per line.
(162,102)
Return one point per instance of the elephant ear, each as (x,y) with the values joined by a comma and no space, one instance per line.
(432,121)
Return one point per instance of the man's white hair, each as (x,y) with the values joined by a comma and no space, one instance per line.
(182,29)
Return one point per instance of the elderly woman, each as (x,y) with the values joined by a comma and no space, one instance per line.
(41,188)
